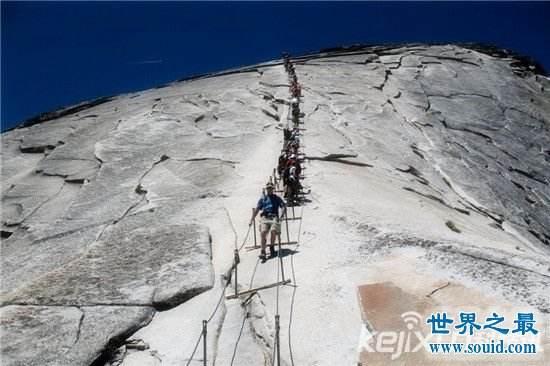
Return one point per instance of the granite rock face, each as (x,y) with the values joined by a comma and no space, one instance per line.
(103,211)
(462,120)
(51,335)
(130,264)
(105,207)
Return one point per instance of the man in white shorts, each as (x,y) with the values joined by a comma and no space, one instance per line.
(269,206)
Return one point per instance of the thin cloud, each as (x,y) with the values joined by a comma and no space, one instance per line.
(147,62)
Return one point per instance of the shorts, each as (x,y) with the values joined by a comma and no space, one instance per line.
(267,224)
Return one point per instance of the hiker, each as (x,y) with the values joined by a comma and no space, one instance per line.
(287,133)
(298,167)
(296,110)
(293,186)
(296,119)
(269,206)
(292,169)
(298,90)
(295,89)
(292,149)
(286,59)
(281,164)
(295,136)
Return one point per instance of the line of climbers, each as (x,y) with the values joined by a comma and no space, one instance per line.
(295,88)
(289,166)
(289,170)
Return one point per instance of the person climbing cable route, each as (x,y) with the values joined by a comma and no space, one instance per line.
(289,66)
(269,206)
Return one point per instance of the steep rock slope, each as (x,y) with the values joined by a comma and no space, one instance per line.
(452,208)
(428,169)
(103,210)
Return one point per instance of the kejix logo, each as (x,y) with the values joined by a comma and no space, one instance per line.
(459,333)
(409,337)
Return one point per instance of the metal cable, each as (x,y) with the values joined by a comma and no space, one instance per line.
(219,302)
(238,340)
(244,317)
(222,295)
(279,264)
(279,270)
(194,350)
(253,274)
(295,287)
(276,306)
(245,238)
(232,226)
(226,284)
(235,231)
(290,326)
(293,291)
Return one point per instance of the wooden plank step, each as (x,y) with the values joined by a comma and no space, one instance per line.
(249,248)
(234,296)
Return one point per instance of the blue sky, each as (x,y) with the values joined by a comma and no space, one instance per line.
(57,54)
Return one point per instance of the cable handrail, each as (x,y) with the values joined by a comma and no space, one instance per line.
(280,271)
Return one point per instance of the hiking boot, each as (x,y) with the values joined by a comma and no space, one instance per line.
(272,251)
(262,256)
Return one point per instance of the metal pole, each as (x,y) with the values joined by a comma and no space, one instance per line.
(204,323)
(277,343)
(293,214)
(286,219)
(254,224)
(281,257)
(237,260)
